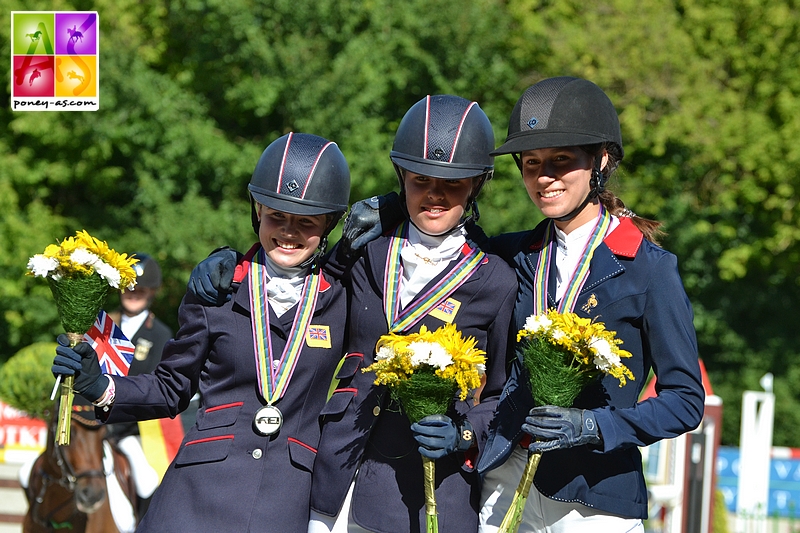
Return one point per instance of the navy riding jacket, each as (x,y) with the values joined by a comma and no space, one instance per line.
(635,289)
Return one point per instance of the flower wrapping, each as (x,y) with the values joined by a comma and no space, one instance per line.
(424,371)
(80,271)
(562,353)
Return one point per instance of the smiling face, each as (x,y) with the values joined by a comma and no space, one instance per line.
(435,205)
(557,180)
(289,239)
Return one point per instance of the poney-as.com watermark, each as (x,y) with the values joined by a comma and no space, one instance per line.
(55,61)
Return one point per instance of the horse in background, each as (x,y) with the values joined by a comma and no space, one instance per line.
(67,488)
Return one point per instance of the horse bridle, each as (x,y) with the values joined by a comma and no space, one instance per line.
(68,480)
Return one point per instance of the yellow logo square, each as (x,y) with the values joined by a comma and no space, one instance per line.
(446,311)
(318,337)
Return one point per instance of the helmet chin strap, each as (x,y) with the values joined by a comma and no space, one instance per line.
(597,184)
(318,253)
(323,242)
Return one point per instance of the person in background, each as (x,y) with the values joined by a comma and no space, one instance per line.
(139,324)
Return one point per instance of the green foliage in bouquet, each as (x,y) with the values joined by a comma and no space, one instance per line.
(424,394)
(425,370)
(563,352)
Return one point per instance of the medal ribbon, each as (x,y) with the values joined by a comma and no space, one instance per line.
(581,273)
(398,320)
(272,381)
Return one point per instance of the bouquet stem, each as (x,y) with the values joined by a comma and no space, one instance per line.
(513,517)
(65,404)
(431,518)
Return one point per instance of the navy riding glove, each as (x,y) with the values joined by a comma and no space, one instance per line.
(81,362)
(558,428)
(438,436)
(369,219)
(211,279)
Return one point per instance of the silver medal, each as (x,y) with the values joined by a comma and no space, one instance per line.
(268,420)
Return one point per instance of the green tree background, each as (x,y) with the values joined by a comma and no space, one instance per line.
(192,91)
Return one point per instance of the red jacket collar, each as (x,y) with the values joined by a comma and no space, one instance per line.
(243,267)
(623,241)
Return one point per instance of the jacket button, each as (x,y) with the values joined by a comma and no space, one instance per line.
(256,454)
(376,410)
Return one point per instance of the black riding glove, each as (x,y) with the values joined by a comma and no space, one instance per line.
(211,279)
(558,428)
(369,219)
(81,362)
(438,436)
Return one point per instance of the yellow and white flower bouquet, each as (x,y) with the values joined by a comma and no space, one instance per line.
(423,372)
(562,353)
(80,270)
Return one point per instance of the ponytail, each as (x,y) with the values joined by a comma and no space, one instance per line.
(651,229)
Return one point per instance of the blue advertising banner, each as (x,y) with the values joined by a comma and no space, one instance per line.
(784,481)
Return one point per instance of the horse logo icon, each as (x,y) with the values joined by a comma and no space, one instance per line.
(73,76)
(75,34)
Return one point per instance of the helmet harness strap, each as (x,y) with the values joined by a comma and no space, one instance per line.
(323,242)
(597,184)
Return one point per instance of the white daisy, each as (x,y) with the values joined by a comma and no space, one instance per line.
(41,265)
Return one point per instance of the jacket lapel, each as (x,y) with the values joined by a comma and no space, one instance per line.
(623,242)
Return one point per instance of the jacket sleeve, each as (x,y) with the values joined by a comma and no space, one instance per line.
(167,391)
(670,344)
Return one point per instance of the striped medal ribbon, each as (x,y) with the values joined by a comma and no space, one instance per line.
(403,320)
(579,276)
(273,379)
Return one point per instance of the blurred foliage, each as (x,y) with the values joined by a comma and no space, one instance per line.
(720,524)
(26,381)
(192,91)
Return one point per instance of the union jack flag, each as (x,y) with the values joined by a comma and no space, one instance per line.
(447,307)
(114,350)
(317,333)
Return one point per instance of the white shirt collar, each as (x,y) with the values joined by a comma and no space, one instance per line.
(424,257)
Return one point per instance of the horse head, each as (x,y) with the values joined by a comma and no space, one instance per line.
(82,461)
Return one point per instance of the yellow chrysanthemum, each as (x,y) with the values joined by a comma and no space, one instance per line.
(581,337)
(95,258)
(395,357)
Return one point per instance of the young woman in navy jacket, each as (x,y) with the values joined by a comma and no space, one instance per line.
(368,475)
(565,136)
(263,361)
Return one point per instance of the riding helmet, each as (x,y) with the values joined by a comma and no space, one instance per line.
(444,136)
(301,174)
(148,273)
(559,112)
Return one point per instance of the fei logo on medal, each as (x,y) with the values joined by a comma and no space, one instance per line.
(55,61)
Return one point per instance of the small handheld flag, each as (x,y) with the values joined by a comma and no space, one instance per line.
(114,350)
